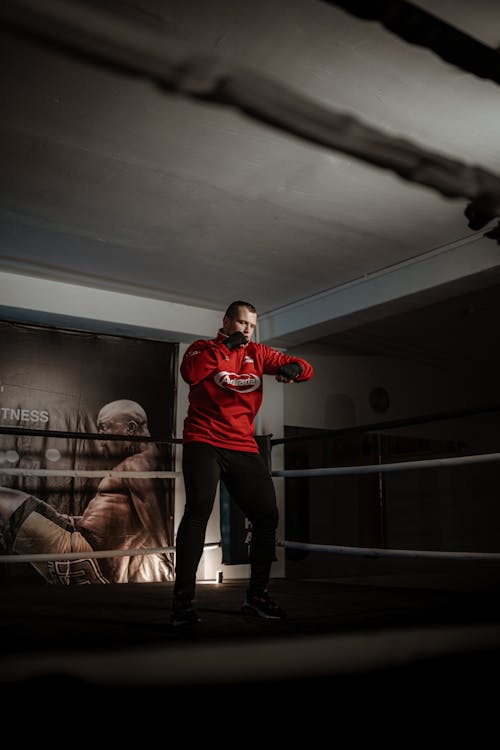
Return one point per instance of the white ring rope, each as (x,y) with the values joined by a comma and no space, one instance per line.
(84,555)
(380,468)
(368,469)
(91,473)
(378,552)
(337,549)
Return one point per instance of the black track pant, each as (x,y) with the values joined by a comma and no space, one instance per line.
(250,484)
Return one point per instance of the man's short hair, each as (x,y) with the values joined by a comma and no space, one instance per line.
(232,310)
(125,409)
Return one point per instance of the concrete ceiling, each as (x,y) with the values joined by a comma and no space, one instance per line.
(110,182)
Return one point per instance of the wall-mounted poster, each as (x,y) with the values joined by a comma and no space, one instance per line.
(75,382)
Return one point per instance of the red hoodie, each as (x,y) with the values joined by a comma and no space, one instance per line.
(226,390)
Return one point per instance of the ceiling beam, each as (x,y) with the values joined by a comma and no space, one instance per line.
(432,277)
(27,299)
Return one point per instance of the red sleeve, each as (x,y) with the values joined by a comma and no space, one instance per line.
(274,359)
(200,360)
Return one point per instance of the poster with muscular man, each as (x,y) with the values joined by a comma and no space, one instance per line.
(54,380)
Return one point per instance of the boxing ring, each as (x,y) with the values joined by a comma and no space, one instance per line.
(91,32)
(378,469)
(460,622)
(140,49)
(279,473)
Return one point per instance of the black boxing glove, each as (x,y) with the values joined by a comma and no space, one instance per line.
(235,340)
(291,371)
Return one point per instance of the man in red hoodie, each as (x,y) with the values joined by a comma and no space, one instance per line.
(225,376)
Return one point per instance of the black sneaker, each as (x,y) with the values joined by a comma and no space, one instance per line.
(183,612)
(261,605)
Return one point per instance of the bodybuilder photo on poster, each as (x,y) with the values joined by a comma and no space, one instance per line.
(85,383)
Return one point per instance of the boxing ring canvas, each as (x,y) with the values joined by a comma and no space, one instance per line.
(73,384)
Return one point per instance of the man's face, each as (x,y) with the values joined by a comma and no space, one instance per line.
(111,425)
(244,321)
